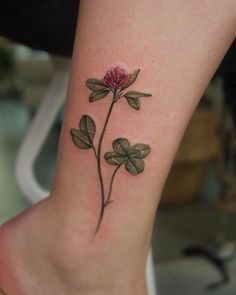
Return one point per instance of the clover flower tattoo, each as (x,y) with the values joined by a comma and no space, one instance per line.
(116,81)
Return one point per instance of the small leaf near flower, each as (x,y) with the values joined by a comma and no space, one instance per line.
(132,79)
(136,94)
(133,98)
(98,94)
(95,84)
(133,102)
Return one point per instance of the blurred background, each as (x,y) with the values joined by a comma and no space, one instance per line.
(195,229)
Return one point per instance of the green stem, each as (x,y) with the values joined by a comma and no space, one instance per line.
(108,200)
(95,153)
(99,164)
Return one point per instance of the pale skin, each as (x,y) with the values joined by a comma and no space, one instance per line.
(178,46)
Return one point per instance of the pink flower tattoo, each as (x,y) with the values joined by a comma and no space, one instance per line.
(123,154)
(116,78)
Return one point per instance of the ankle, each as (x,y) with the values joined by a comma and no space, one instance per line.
(51,255)
(115,259)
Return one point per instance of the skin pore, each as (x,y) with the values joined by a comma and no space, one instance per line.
(178,46)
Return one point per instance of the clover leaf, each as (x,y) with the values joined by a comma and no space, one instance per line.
(83,137)
(114,159)
(131,156)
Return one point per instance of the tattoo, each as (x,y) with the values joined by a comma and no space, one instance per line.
(115,82)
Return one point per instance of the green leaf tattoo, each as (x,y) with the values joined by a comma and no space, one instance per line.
(129,155)
(83,137)
(124,154)
(133,98)
(96,85)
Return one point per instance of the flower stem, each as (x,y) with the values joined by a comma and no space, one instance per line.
(108,200)
(95,153)
(99,164)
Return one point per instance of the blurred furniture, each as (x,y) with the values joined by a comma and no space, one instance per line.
(222,250)
(35,71)
(39,129)
(191,166)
